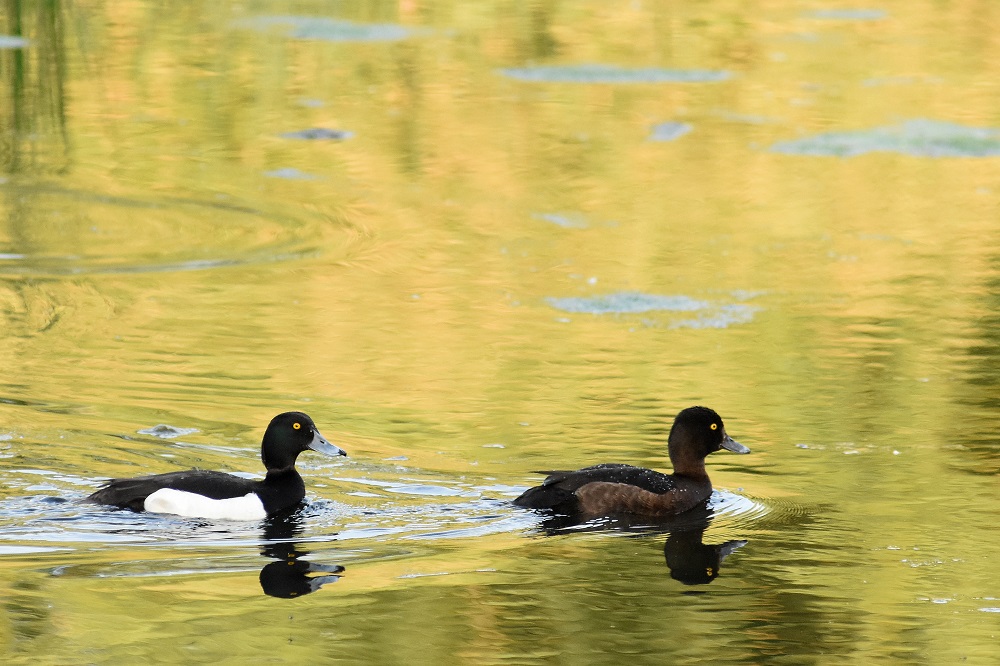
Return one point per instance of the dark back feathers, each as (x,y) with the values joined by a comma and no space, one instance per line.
(131,493)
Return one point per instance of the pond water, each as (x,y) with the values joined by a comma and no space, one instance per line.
(474,240)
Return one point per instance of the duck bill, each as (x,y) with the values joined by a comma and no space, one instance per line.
(730,444)
(320,445)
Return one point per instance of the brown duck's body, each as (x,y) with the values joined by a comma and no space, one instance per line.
(601,498)
(615,489)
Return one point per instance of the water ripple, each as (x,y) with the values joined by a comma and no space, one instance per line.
(737,513)
(78,233)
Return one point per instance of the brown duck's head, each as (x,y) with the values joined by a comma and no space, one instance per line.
(697,432)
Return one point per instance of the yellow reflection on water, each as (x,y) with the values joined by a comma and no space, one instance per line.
(169,254)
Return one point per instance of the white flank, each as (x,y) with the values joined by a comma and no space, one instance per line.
(180,503)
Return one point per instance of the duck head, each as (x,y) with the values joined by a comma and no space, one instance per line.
(288,435)
(696,433)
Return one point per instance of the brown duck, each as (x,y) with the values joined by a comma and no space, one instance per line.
(614,489)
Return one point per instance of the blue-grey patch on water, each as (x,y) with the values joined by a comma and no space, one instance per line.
(564,220)
(164,431)
(13,42)
(847,14)
(626,302)
(290,173)
(708,314)
(319,134)
(330,30)
(597,73)
(918,138)
(669,131)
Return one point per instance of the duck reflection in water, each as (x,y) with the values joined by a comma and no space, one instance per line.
(689,559)
(693,562)
(289,575)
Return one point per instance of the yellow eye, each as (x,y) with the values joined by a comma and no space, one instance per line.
(298,425)
(714,426)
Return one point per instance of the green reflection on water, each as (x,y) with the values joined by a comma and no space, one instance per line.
(152,270)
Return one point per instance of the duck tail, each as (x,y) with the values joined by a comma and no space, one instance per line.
(547,497)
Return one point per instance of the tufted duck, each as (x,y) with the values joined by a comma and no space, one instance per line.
(615,489)
(205,494)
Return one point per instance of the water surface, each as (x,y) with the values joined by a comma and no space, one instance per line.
(444,232)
